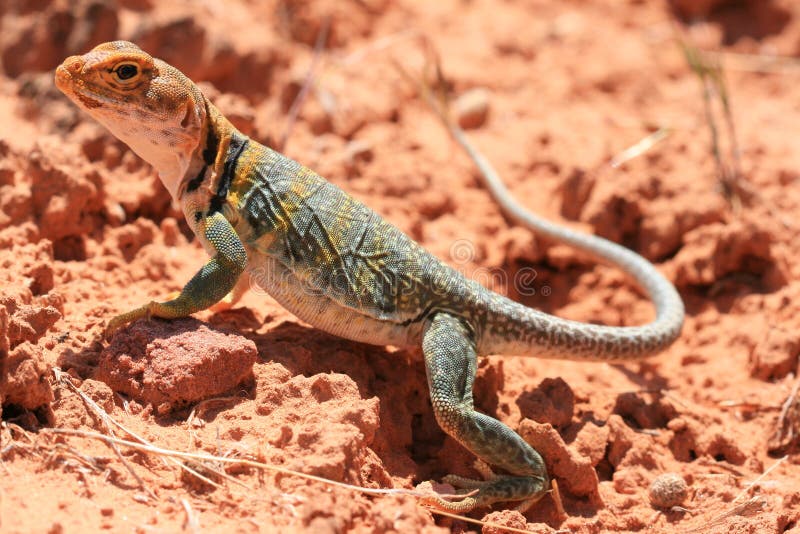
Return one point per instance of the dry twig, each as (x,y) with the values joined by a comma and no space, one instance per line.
(297,104)
(109,422)
(170,453)
(787,429)
(63,378)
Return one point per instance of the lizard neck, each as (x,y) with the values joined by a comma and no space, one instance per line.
(208,168)
(208,157)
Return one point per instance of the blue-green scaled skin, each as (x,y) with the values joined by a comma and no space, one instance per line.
(266,220)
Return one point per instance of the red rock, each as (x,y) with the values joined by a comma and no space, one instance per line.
(175,363)
(3,355)
(575,474)
(551,402)
(28,379)
(717,250)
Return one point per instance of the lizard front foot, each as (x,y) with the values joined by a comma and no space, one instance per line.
(142,312)
(151,309)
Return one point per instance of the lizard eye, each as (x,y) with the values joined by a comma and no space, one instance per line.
(126,71)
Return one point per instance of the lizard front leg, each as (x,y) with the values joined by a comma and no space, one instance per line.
(211,283)
(451,363)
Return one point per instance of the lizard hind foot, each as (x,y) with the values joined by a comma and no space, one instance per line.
(480,493)
(438,497)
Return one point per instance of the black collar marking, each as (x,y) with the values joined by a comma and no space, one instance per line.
(209,155)
(235,149)
(212,141)
(195,182)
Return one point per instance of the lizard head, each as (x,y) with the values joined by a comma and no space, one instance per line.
(146,103)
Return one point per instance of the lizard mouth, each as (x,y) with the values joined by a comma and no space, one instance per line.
(62,77)
(73,88)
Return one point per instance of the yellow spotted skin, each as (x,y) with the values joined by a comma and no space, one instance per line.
(266,220)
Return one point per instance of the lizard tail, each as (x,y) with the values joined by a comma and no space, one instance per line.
(528,331)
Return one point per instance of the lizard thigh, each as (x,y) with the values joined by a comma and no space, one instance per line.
(451,362)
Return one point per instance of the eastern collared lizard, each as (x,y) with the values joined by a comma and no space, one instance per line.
(339,266)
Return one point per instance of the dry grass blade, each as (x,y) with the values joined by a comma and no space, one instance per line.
(94,463)
(191,523)
(640,147)
(170,453)
(10,441)
(709,72)
(787,431)
(759,478)
(377,45)
(297,104)
(753,505)
(556,496)
(489,524)
(3,353)
(63,378)
(191,421)
(432,84)
(201,407)
(109,422)
(761,63)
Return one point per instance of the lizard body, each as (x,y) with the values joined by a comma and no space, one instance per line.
(338,265)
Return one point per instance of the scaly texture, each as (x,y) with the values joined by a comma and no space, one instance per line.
(339,266)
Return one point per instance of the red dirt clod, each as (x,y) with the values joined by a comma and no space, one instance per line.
(170,364)
(668,490)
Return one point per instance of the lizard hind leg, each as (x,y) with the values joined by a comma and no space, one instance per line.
(451,363)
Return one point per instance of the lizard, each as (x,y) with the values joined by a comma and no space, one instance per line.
(337,265)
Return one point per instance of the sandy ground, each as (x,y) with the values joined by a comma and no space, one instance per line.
(552,93)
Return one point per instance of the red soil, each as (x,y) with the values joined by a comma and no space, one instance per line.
(554,90)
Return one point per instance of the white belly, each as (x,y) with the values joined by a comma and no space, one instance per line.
(322,312)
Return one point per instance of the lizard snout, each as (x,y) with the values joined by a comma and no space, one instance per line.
(70,67)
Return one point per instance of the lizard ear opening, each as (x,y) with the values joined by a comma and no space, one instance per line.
(189,114)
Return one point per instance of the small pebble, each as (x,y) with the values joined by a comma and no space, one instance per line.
(472,108)
(668,490)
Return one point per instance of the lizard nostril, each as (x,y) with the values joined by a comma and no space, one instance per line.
(74,64)
(69,70)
